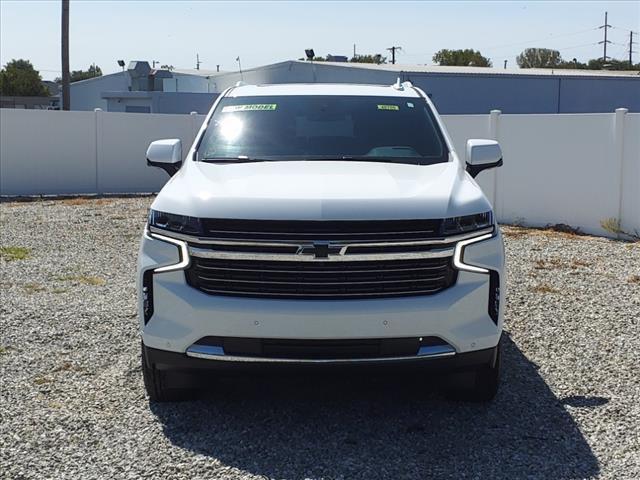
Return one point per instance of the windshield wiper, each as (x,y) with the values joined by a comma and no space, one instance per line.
(319,158)
(371,158)
(238,159)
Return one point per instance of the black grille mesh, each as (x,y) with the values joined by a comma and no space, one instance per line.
(326,230)
(321,279)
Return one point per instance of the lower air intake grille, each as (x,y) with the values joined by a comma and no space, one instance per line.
(321,349)
(321,280)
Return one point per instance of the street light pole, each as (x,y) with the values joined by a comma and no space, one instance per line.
(66,77)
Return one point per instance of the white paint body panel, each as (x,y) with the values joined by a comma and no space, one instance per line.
(183,315)
(314,190)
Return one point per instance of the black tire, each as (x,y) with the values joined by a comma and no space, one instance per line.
(155,382)
(481,386)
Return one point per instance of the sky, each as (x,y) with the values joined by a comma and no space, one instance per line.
(264,32)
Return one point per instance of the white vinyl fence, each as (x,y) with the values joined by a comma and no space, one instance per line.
(573,169)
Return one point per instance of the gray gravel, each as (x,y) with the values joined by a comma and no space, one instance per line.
(73,404)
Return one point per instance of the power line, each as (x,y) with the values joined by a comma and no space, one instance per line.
(627,29)
(393,53)
(578,46)
(551,36)
(604,42)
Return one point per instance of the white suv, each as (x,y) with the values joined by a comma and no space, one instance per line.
(321,225)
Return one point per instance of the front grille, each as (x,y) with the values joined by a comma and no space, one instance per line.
(327,230)
(321,279)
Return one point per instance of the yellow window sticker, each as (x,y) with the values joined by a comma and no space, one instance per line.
(250,107)
(388,107)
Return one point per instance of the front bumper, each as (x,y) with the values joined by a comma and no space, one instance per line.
(458,315)
(180,362)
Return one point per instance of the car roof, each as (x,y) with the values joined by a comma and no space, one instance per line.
(404,90)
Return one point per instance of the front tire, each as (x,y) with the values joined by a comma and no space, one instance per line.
(155,383)
(482,385)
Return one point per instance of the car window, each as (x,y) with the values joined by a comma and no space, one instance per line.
(308,127)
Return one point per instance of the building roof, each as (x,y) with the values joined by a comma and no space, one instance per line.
(322,89)
(403,68)
(198,72)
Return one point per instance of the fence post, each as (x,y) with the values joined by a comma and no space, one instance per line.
(98,142)
(494,123)
(618,139)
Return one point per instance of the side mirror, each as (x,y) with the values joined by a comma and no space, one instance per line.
(165,154)
(481,155)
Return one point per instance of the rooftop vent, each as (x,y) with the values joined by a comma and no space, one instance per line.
(139,72)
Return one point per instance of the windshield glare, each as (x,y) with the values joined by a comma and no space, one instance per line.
(292,127)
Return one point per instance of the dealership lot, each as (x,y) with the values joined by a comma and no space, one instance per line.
(73,404)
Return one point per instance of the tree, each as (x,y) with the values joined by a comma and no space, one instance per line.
(77,75)
(539,58)
(466,57)
(19,78)
(377,58)
(594,64)
(314,59)
(611,64)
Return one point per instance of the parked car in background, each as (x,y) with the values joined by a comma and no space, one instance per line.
(321,225)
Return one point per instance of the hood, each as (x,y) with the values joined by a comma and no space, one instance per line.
(320,190)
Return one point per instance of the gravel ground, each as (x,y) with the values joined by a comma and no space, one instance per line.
(73,404)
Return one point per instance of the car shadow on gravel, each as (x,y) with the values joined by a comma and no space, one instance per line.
(373,427)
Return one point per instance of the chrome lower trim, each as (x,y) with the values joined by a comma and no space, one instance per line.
(206,350)
(439,350)
(207,253)
(217,353)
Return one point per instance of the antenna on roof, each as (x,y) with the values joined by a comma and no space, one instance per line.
(239,67)
(398,85)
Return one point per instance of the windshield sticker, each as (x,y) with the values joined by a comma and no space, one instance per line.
(388,107)
(251,107)
(409,104)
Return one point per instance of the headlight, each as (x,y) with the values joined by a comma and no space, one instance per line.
(175,223)
(467,223)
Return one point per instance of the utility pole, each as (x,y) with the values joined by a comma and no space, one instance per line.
(66,77)
(354,50)
(198,62)
(606,26)
(631,42)
(505,64)
(393,53)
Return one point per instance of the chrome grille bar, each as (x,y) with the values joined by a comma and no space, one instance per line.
(192,239)
(324,269)
(209,253)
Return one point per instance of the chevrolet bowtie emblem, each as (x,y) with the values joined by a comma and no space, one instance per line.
(320,249)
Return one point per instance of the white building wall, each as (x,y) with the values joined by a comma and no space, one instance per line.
(86,94)
(574,169)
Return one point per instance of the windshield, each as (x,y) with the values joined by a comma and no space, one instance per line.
(296,127)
